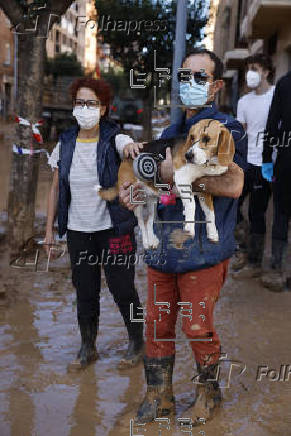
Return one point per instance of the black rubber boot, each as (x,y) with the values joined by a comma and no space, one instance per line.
(135,350)
(256,249)
(278,252)
(159,400)
(274,279)
(134,353)
(208,394)
(87,352)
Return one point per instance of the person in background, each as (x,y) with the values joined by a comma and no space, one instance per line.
(197,272)
(278,136)
(86,158)
(252,113)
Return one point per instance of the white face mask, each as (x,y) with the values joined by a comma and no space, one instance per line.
(86,118)
(253,79)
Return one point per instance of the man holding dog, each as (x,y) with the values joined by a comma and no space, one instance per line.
(194,270)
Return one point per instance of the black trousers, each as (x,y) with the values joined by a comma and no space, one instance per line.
(280,218)
(90,251)
(260,191)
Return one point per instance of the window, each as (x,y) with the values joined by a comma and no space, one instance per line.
(64,22)
(64,40)
(70,28)
(272,44)
(57,36)
(7,60)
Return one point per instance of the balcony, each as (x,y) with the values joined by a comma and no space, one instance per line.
(265,17)
(234,59)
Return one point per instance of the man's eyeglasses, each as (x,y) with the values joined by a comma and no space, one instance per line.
(185,76)
(91,104)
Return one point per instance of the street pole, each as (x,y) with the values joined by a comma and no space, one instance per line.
(179,53)
(15,70)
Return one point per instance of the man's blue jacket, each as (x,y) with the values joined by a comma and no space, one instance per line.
(199,253)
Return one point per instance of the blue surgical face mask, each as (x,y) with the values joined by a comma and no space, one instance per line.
(193,94)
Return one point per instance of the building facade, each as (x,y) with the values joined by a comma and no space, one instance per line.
(72,35)
(208,41)
(266,25)
(245,27)
(7,59)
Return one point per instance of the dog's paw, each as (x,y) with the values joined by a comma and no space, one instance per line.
(212,235)
(190,228)
(145,243)
(153,242)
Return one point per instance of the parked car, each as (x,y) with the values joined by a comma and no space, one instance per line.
(126,111)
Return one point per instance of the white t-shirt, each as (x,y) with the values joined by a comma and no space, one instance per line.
(87,212)
(253,110)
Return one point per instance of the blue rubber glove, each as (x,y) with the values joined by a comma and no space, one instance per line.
(268,171)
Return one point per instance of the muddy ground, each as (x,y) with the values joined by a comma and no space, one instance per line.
(39,337)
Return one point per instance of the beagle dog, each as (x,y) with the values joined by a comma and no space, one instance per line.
(206,151)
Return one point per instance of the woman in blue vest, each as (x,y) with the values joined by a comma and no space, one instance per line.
(87,158)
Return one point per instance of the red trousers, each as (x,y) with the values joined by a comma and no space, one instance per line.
(196,292)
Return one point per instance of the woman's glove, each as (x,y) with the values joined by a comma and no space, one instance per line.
(268,171)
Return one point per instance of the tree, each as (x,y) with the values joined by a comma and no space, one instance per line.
(117,80)
(133,46)
(64,64)
(25,15)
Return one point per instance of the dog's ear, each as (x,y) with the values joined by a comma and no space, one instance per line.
(226,147)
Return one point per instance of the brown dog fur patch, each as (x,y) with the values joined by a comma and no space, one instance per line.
(208,199)
(221,142)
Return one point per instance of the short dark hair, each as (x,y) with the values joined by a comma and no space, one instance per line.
(218,64)
(264,61)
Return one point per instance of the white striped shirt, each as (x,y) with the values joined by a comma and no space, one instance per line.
(88,212)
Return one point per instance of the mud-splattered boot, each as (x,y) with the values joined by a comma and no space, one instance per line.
(239,261)
(208,395)
(135,350)
(253,268)
(159,400)
(274,279)
(87,352)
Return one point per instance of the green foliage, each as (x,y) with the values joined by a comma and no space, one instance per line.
(135,49)
(64,64)
(118,81)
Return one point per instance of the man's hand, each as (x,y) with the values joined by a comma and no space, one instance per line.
(138,194)
(132,149)
(229,184)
